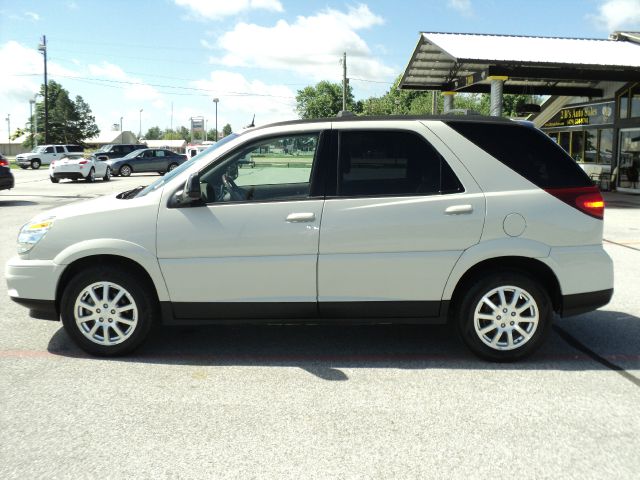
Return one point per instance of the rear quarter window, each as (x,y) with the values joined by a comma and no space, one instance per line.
(527,151)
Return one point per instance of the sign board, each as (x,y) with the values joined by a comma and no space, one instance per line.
(581,115)
(197,124)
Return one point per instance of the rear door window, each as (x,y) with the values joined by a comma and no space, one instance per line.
(527,151)
(381,163)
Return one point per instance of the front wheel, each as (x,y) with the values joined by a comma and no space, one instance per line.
(172,166)
(107,175)
(91,177)
(125,170)
(35,164)
(504,316)
(108,312)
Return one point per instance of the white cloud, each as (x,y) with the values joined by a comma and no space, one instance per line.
(462,6)
(217,9)
(617,14)
(240,98)
(32,15)
(310,45)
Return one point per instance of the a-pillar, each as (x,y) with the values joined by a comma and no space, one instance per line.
(497,84)
(448,101)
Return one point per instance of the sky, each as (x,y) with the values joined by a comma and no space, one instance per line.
(171,58)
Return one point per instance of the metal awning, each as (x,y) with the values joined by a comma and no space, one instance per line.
(533,65)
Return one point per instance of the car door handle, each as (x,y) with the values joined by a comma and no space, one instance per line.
(301,217)
(458,209)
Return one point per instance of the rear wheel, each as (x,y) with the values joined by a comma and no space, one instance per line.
(91,177)
(108,312)
(125,170)
(54,180)
(504,316)
(35,164)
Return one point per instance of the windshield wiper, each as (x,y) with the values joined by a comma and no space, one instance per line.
(130,193)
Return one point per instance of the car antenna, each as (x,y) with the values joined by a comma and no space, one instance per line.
(253,122)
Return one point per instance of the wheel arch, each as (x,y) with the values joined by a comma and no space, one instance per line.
(126,263)
(530,267)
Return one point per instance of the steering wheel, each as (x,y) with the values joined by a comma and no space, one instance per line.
(230,186)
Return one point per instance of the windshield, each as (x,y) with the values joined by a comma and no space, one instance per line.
(177,171)
(39,150)
(104,148)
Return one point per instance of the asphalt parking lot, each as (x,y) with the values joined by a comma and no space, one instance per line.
(319,402)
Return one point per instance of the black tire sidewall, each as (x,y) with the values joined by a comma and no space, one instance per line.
(146,303)
(481,285)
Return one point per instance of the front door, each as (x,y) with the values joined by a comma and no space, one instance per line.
(251,250)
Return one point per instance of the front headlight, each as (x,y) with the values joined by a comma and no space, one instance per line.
(32,232)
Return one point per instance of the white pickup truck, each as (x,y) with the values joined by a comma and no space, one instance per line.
(45,154)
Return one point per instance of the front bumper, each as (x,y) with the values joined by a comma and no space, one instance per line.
(33,283)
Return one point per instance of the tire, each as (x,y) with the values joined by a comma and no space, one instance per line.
(107,175)
(35,164)
(54,180)
(172,166)
(24,167)
(516,327)
(91,177)
(125,171)
(107,332)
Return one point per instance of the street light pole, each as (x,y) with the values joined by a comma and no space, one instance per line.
(31,103)
(43,49)
(35,138)
(121,136)
(8,119)
(140,130)
(216,100)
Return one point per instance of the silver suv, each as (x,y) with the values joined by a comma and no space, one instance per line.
(482,222)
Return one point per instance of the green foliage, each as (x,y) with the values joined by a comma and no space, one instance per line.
(226,130)
(324,100)
(70,121)
(154,133)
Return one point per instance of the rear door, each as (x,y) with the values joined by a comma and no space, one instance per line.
(403,211)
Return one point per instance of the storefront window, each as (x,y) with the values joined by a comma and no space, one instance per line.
(623,104)
(577,146)
(606,146)
(635,101)
(564,140)
(590,146)
(554,137)
(629,158)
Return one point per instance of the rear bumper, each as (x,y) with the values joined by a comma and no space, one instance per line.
(70,175)
(6,182)
(585,302)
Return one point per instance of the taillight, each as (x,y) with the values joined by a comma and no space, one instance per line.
(53,162)
(82,162)
(586,199)
(3,162)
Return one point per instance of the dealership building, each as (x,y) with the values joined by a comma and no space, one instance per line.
(591,86)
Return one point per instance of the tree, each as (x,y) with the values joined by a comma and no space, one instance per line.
(226,130)
(323,100)
(69,121)
(154,133)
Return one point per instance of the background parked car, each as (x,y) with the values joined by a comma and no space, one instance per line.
(117,150)
(6,177)
(76,167)
(146,160)
(45,154)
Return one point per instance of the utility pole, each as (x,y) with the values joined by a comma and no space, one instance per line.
(8,119)
(140,127)
(216,100)
(43,49)
(345,81)
(32,101)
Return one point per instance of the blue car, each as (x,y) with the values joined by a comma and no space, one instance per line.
(146,160)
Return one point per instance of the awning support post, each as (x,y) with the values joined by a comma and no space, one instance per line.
(497,83)
(448,101)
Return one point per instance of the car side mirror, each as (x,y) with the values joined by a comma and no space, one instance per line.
(190,195)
